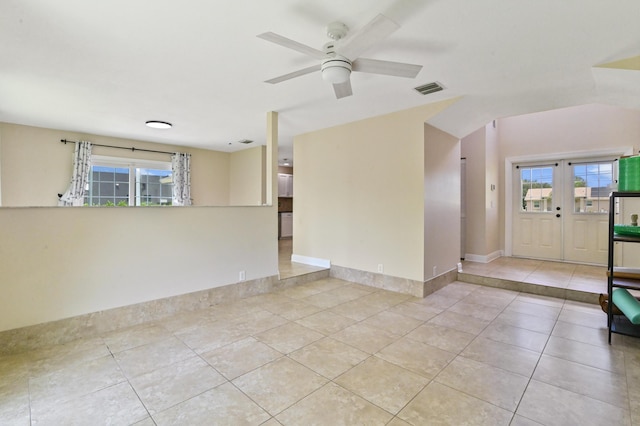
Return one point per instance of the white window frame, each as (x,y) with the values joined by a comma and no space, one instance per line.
(132,164)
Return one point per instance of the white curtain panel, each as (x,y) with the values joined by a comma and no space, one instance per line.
(74,196)
(181,169)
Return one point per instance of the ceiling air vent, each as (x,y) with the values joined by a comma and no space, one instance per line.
(245,141)
(429,88)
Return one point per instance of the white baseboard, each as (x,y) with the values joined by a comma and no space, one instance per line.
(313,261)
(483,259)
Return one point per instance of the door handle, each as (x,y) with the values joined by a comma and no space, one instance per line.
(558,215)
(558,208)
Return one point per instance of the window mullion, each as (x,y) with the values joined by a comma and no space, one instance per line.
(133,188)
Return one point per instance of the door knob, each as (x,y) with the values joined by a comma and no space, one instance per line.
(558,215)
(557,208)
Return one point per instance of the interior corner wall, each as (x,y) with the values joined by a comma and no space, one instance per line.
(473,148)
(358,196)
(359,193)
(482,169)
(246,177)
(492,190)
(441,200)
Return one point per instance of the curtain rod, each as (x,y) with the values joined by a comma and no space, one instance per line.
(132,149)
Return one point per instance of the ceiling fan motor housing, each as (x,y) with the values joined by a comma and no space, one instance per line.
(336,69)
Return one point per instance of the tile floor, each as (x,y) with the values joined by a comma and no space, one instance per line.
(333,352)
(570,276)
(286,267)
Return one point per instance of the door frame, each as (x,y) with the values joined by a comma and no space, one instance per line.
(508,179)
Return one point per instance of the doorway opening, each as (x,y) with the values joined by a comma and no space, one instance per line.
(559,209)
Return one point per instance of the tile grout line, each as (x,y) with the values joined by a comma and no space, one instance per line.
(478,336)
(539,359)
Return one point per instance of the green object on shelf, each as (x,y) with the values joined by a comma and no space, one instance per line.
(629,174)
(628,304)
(633,231)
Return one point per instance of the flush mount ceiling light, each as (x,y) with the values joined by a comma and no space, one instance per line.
(155,124)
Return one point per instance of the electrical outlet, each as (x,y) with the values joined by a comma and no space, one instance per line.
(380,268)
(241,276)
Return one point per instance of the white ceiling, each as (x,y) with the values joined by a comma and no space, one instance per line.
(106,67)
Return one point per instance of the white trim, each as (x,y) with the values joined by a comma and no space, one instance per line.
(508,179)
(313,261)
(483,259)
(508,206)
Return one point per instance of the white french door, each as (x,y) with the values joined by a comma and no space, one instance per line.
(560,209)
(537,224)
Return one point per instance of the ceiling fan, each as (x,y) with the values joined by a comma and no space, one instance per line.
(341,56)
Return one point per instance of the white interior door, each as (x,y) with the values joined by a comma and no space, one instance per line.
(560,209)
(537,218)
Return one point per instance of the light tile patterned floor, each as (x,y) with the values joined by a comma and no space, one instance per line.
(464,355)
(286,267)
(572,276)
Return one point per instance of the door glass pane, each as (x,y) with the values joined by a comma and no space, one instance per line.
(592,184)
(536,185)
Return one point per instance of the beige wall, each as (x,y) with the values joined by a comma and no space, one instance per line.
(60,262)
(575,129)
(441,200)
(246,177)
(360,193)
(482,166)
(35,166)
(492,197)
(473,148)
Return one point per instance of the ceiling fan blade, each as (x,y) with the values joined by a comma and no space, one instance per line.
(292,44)
(376,30)
(294,74)
(396,69)
(342,90)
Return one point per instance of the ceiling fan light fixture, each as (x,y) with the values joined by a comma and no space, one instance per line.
(155,124)
(336,70)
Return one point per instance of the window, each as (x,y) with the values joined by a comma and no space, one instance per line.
(536,185)
(592,184)
(125,182)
